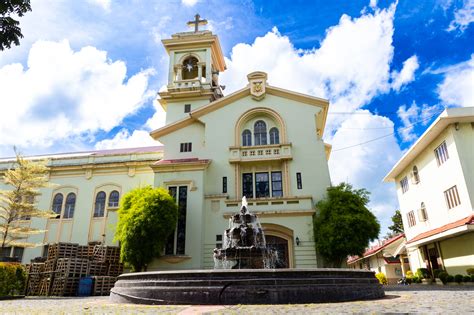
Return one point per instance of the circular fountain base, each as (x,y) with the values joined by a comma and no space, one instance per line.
(246,286)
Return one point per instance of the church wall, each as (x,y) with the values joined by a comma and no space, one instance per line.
(193,133)
(195,225)
(175,110)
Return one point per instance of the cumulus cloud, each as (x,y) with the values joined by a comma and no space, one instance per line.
(413,116)
(457,86)
(362,164)
(462,17)
(351,66)
(407,74)
(63,94)
(189,3)
(104,4)
(123,139)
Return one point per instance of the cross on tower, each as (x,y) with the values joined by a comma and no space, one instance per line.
(197,22)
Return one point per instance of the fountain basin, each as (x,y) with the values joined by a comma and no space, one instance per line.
(246,286)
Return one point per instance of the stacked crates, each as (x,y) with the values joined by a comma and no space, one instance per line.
(68,263)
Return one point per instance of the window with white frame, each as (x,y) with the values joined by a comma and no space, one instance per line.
(186,147)
(262,184)
(57,205)
(260,132)
(404,184)
(70,206)
(422,214)
(411,218)
(441,153)
(99,207)
(114,197)
(416,175)
(452,197)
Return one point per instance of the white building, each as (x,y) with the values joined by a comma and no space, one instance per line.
(435,187)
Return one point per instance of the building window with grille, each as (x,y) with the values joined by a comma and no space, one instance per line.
(274,136)
(57,204)
(404,184)
(416,175)
(452,197)
(224,185)
(114,199)
(246,138)
(260,132)
(277,187)
(299,183)
(247,185)
(423,215)
(187,108)
(176,242)
(441,153)
(262,185)
(411,218)
(186,147)
(70,206)
(99,209)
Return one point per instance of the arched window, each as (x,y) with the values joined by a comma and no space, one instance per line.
(70,206)
(416,175)
(246,138)
(423,215)
(57,204)
(260,132)
(99,204)
(114,199)
(190,68)
(274,136)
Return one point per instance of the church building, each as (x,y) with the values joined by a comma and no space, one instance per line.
(262,142)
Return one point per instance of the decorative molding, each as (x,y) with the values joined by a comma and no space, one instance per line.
(189,183)
(174,259)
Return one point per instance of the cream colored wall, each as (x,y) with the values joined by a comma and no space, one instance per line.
(458,253)
(464,138)
(434,180)
(194,133)
(175,110)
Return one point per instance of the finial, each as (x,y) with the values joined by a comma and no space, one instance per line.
(197,22)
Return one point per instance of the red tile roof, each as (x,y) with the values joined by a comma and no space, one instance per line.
(372,250)
(466,221)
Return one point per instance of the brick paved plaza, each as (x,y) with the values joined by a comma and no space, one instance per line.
(399,299)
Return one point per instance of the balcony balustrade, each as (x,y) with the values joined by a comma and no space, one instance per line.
(260,153)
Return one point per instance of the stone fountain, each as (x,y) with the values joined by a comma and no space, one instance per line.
(244,274)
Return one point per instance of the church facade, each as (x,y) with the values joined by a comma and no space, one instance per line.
(262,142)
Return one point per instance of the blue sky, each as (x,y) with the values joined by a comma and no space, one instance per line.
(87,72)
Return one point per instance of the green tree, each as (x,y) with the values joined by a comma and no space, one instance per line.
(397,226)
(19,204)
(343,225)
(10,32)
(147,216)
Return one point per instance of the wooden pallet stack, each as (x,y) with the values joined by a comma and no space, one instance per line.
(103,284)
(67,263)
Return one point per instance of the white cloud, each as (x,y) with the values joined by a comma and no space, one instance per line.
(407,74)
(123,139)
(365,165)
(350,68)
(373,3)
(457,88)
(104,4)
(189,3)
(413,116)
(64,94)
(463,17)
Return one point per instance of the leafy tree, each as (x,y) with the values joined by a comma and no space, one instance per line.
(343,225)
(19,203)
(10,32)
(147,216)
(397,226)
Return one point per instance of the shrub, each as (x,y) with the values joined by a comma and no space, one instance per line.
(12,279)
(470,271)
(382,278)
(466,278)
(458,278)
(450,278)
(416,279)
(472,278)
(422,273)
(436,272)
(443,276)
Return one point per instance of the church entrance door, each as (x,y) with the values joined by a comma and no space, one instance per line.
(281,246)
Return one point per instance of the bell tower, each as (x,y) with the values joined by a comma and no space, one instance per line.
(193,76)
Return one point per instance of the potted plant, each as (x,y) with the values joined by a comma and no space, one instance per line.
(443,276)
(458,278)
(422,273)
(436,273)
(450,280)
